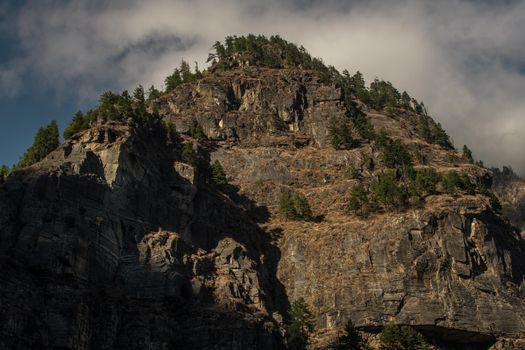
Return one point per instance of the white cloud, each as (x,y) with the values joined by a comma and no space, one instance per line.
(462,58)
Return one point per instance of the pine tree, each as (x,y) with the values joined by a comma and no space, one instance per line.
(124,105)
(189,155)
(394,153)
(153,94)
(426,181)
(77,124)
(172,135)
(139,102)
(302,207)
(350,340)
(405,101)
(340,134)
(173,80)
(387,191)
(357,84)
(300,327)
(359,203)
(46,140)
(218,176)
(417,107)
(467,153)
(423,130)
(451,182)
(107,105)
(441,138)
(364,127)
(402,338)
(138,94)
(294,206)
(4,173)
(195,131)
(185,72)
(286,204)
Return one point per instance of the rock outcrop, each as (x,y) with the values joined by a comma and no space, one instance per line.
(112,242)
(256,107)
(510,189)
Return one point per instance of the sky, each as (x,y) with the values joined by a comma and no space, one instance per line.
(464,59)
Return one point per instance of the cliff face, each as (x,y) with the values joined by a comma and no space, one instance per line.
(510,189)
(112,242)
(451,271)
(256,107)
(108,244)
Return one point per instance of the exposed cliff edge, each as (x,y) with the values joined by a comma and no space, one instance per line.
(112,241)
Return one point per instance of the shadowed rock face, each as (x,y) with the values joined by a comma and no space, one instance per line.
(510,189)
(112,242)
(109,244)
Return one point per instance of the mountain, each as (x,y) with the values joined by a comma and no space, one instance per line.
(126,236)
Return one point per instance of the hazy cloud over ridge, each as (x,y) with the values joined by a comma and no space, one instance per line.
(465,60)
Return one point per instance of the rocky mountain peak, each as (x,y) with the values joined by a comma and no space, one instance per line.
(194,217)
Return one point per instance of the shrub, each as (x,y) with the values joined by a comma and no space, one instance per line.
(300,327)
(402,338)
(451,182)
(294,206)
(420,156)
(353,172)
(350,340)
(367,162)
(340,134)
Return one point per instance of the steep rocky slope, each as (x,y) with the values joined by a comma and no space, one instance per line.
(510,188)
(113,242)
(107,243)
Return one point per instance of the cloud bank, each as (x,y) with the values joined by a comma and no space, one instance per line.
(465,60)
